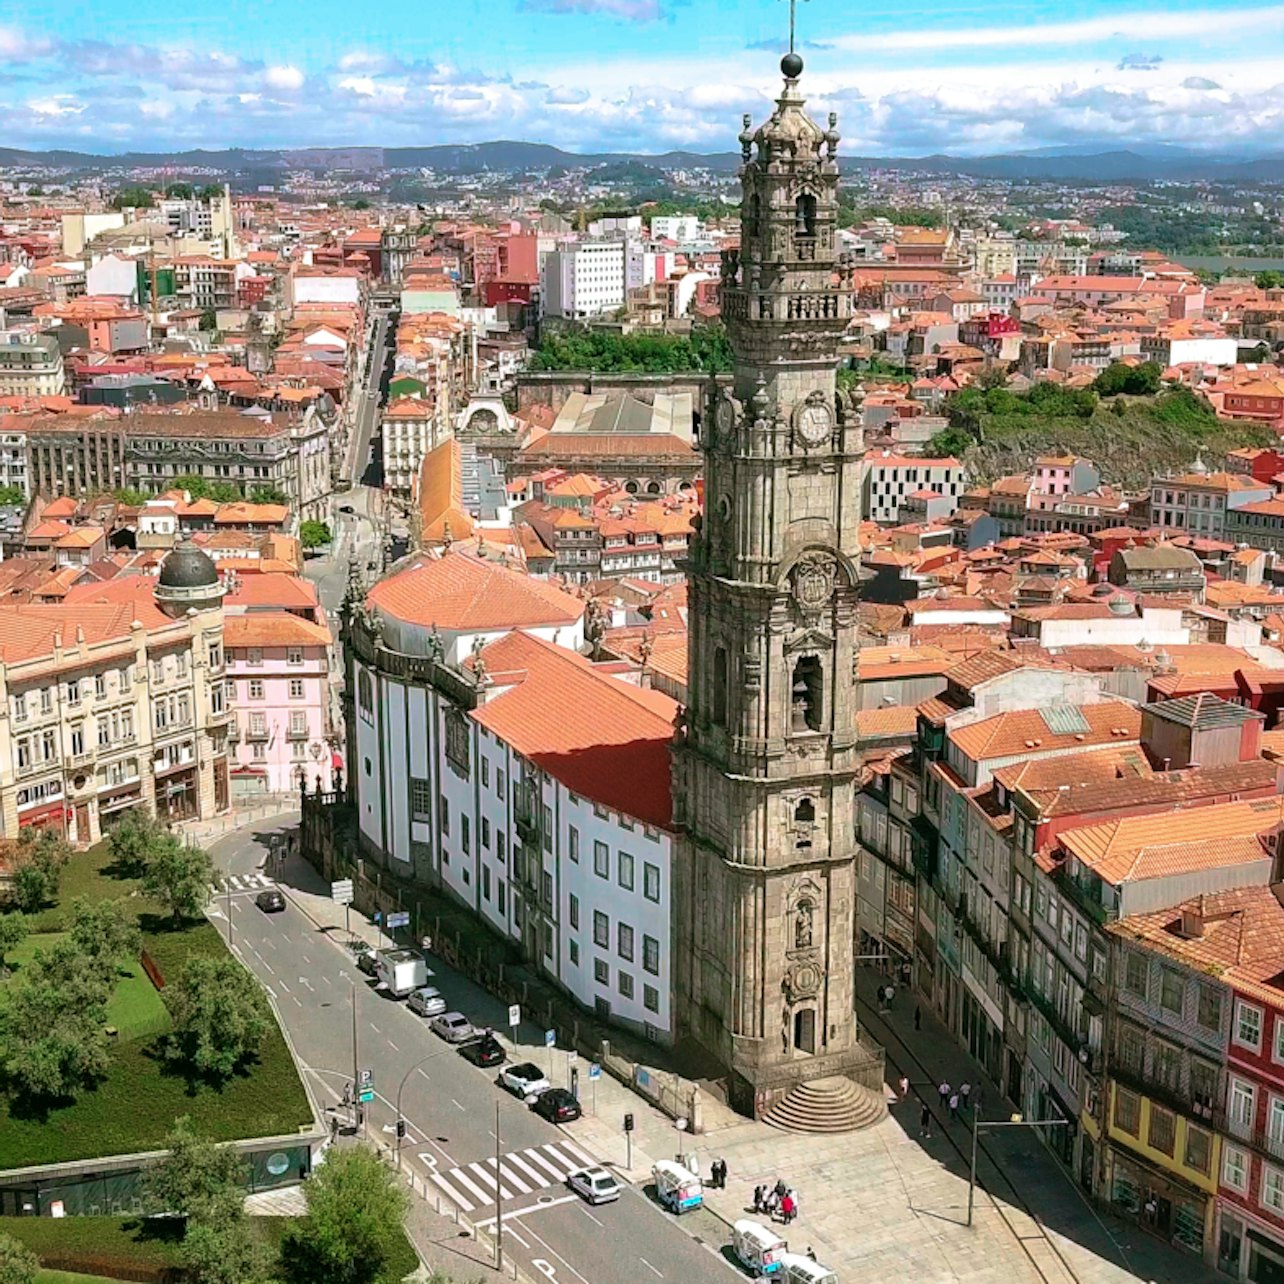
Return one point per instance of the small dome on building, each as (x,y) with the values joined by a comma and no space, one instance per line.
(188,581)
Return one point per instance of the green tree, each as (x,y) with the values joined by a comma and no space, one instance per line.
(220,1016)
(11,496)
(18,1264)
(1136,381)
(223,1250)
(130,496)
(1269,280)
(40,859)
(949,443)
(179,877)
(268,494)
(209,320)
(361,203)
(313,534)
(13,931)
(196,1177)
(353,1223)
(179,191)
(105,931)
(53,1038)
(131,841)
(140,198)
(196,486)
(211,191)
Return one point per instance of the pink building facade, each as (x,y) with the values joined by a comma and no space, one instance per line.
(279,673)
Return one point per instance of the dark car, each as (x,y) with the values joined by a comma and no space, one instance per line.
(367,961)
(270,902)
(486,1051)
(557,1106)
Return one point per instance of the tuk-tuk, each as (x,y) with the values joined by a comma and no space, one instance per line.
(677,1188)
(758,1247)
(798,1269)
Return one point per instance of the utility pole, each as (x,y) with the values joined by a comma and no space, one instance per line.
(227,883)
(1014,1122)
(357,1112)
(499,1210)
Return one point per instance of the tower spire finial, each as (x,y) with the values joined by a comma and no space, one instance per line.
(792,64)
(793,15)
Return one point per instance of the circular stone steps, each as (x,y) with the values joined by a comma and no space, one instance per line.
(827,1106)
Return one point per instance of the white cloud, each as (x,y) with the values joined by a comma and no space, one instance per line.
(283,77)
(566,97)
(56,105)
(629,10)
(19,46)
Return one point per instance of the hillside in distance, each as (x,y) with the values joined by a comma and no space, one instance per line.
(1077,164)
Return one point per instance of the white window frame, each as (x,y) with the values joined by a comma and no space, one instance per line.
(1276,1205)
(1240,1185)
(1242,1009)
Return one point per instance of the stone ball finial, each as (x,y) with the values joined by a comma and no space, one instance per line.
(792,65)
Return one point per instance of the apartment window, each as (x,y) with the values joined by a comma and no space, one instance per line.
(624,871)
(444,812)
(296,688)
(624,941)
(547,834)
(650,998)
(78,740)
(465,833)
(651,882)
(502,896)
(501,847)
(180,664)
(485,770)
(420,799)
(501,785)
(1272,1188)
(601,860)
(1162,1133)
(1209,1012)
(546,889)
(1127,1111)
(1172,987)
(574,952)
(215,655)
(1242,1100)
(626,984)
(100,686)
(485,832)
(651,955)
(73,692)
(485,882)
(1275,1122)
(574,912)
(1135,974)
(46,698)
(601,971)
(573,843)
(256,689)
(601,930)
(1248,1025)
(254,655)
(294,655)
(1235,1168)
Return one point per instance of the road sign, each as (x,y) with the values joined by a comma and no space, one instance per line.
(514,1014)
(400,919)
(341,891)
(365,1096)
(550,1038)
(595,1071)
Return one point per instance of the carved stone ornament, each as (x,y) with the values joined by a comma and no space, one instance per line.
(802,981)
(814,578)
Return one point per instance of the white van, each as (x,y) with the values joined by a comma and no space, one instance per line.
(677,1188)
(802,1270)
(758,1247)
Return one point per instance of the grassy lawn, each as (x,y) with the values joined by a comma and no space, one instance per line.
(134,1108)
(91,874)
(68,1277)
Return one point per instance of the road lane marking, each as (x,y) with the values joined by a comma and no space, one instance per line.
(518,1162)
(511,1178)
(480,1195)
(552,1252)
(456,1104)
(650,1267)
(465,1206)
(489,1222)
(509,1231)
(576,1153)
(539,1158)
(393,1046)
(589,1215)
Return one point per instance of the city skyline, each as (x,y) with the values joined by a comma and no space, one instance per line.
(640,75)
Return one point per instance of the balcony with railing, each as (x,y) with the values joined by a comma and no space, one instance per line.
(527,813)
(298,734)
(257,735)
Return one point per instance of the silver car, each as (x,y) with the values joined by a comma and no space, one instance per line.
(454,1027)
(428,1001)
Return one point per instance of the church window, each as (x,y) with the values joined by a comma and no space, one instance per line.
(804,819)
(720,678)
(807,694)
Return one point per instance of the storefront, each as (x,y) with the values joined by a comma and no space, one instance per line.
(1160,1202)
(1248,1248)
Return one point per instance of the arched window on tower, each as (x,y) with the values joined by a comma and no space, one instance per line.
(720,686)
(804,819)
(755,214)
(807,695)
(805,216)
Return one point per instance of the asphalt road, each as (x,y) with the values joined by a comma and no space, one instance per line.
(370,397)
(450,1105)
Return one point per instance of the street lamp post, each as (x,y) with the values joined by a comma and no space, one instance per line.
(432,1056)
(1014,1122)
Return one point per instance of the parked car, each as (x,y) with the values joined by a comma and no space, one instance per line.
(368,961)
(486,1051)
(557,1106)
(523,1080)
(454,1027)
(270,902)
(428,1001)
(594,1184)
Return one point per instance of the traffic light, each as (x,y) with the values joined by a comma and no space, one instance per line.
(628,1123)
(401,1129)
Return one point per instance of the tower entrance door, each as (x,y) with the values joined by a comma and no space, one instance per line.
(805,1030)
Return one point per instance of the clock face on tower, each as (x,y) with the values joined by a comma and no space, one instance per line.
(725,418)
(815,423)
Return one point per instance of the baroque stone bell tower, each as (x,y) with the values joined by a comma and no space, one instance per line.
(766,764)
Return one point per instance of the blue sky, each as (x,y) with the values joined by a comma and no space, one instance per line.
(644,75)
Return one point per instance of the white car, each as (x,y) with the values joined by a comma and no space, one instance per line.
(525,1079)
(454,1027)
(594,1184)
(428,1001)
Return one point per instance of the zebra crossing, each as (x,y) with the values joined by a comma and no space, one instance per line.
(241,883)
(521,1172)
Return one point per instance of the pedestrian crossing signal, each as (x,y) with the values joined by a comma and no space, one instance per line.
(628,1123)
(401,1129)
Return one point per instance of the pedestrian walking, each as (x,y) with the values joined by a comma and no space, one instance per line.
(918,1017)
(780,1188)
(757,1199)
(904,1086)
(891,994)
(954,1105)
(793,1203)
(925,1121)
(944,1091)
(965,1094)
(713,1175)
(976,1103)
(722,1173)
(811,1252)
(787,1209)
(770,1204)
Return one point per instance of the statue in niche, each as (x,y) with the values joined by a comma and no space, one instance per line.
(803,926)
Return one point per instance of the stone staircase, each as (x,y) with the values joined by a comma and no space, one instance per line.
(827,1106)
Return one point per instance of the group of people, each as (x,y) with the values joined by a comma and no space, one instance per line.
(778,1200)
(718,1174)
